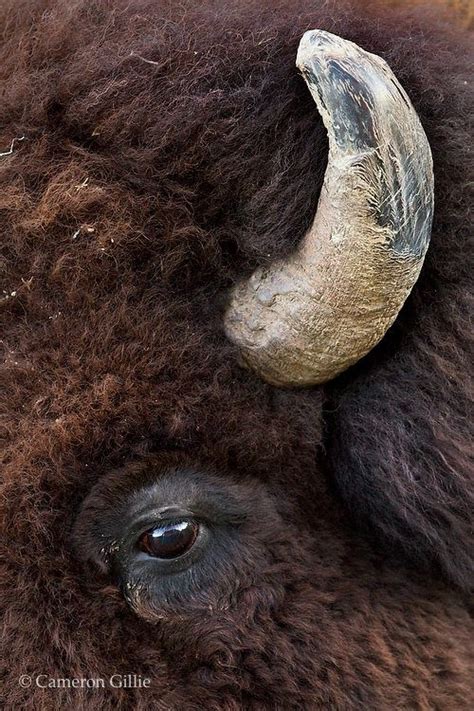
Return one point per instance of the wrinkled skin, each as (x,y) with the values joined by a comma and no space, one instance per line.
(168,151)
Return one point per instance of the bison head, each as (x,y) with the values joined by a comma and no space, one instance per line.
(188,243)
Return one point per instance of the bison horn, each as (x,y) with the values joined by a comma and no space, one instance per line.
(309,317)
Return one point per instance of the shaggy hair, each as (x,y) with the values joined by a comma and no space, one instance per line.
(152,154)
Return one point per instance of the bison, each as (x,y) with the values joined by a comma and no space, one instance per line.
(237,374)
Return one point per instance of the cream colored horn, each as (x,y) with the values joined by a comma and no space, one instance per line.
(307,318)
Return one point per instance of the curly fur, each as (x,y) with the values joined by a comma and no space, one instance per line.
(166,150)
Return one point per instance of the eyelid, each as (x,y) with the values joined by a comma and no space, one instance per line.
(153,518)
(217,510)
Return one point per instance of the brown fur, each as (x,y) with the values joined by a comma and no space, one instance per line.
(168,149)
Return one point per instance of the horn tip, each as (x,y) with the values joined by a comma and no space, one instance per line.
(316,43)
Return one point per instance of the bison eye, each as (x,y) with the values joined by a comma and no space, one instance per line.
(170,539)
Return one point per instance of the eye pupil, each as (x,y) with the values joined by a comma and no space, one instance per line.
(169,540)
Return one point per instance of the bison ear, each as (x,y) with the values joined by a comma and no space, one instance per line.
(401,453)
